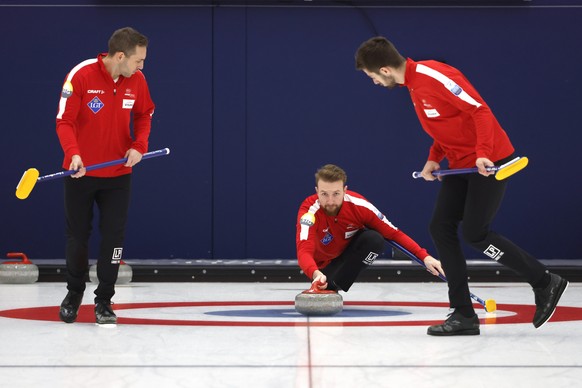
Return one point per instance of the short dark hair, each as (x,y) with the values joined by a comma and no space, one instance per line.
(126,40)
(331,173)
(376,53)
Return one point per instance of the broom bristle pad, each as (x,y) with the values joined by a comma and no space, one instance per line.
(490,305)
(511,169)
(26,183)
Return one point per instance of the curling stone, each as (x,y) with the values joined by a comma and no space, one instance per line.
(316,302)
(124,274)
(18,272)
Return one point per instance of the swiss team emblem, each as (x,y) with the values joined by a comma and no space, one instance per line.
(95,105)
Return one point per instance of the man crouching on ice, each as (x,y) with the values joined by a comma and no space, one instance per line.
(340,233)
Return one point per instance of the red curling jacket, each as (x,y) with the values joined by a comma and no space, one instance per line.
(452,112)
(321,238)
(95,114)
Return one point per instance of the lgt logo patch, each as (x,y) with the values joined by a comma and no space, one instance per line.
(95,105)
(327,238)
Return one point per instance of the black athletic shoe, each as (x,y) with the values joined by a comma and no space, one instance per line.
(70,306)
(456,324)
(104,314)
(547,299)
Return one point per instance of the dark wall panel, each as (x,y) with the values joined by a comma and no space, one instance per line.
(252,100)
(170,215)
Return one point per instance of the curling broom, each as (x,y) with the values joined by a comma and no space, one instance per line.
(501,172)
(31,176)
(489,305)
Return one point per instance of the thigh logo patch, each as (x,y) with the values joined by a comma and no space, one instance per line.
(493,252)
(370,258)
(116,258)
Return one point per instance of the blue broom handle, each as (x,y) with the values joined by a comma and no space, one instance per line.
(62,174)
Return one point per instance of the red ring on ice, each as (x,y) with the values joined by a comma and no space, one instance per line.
(522,314)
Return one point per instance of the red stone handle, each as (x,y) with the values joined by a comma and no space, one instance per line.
(22,256)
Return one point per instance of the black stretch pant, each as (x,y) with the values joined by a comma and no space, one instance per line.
(342,272)
(111,195)
(472,201)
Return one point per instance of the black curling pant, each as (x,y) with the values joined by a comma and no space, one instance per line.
(111,195)
(472,201)
(342,272)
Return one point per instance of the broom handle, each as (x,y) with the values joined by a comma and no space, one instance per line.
(62,174)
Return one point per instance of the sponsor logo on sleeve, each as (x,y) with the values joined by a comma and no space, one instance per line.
(454,88)
(67,90)
(308,219)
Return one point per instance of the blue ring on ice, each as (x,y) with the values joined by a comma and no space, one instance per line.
(287,313)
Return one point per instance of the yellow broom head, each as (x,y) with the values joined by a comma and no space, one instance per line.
(26,183)
(490,305)
(511,168)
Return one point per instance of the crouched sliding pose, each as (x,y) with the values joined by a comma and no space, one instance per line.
(340,233)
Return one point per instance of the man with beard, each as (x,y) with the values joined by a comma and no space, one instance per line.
(467,134)
(340,233)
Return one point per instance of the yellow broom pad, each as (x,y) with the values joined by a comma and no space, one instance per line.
(511,168)
(490,305)
(26,183)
